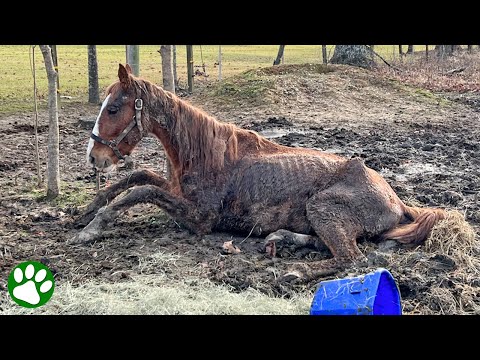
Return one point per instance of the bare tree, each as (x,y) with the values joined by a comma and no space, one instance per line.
(166,52)
(281,49)
(53,173)
(356,55)
(93,92)
(443,50)
(324,54)
(410,49)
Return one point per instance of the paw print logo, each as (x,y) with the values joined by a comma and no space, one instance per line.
(31,284)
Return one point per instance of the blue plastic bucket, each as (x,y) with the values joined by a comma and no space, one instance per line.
(375,293)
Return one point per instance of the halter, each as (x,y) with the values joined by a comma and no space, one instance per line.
(113,144)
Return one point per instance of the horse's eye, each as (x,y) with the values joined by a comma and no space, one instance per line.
(112,109)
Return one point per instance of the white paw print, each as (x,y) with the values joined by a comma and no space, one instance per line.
(28,292)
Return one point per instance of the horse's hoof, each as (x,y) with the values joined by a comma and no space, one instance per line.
(291,276)
(273,242)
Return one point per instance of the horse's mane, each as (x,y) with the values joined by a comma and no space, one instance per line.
(203,143)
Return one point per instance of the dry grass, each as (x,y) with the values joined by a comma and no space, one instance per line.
(156,294)
(434,74)
(160,294)
(444,272)
(455,237)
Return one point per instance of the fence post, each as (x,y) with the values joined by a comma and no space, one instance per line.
(190,67)
(133,58)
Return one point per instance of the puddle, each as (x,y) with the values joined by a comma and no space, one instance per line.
(280,132)
(273,133)
(404,172)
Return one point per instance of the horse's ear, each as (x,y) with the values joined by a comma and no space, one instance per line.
(129,68)
(124,76)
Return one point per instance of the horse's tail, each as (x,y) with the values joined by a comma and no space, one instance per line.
(416,232)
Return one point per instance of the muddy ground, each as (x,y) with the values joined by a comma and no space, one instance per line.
(426,145)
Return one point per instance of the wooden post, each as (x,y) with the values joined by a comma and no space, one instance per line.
(55,64)
(166,52)
(133,58)
(324,54)
(175,78)
(219,62)
(190,68)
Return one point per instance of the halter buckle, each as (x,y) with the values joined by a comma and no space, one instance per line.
(138,104)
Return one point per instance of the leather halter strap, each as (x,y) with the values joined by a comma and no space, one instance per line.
(136,121)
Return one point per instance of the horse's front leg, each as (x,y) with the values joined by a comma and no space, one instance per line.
(182,210)
(105,196)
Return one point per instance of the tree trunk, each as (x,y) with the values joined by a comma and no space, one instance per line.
(469,48)
(443,50)
(55,66)
(281,49)
(410,49)
(53,173)
(175,77)
(324,54)
(355,55)
(93,92)
(166,53)
(400,50)
(133,58)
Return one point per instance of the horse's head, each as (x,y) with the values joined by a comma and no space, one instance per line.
(119,126)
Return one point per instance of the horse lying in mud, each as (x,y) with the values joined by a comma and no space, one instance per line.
(224,178)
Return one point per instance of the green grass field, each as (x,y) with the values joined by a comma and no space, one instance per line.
(16,81)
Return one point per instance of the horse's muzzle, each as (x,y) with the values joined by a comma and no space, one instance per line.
(102,164)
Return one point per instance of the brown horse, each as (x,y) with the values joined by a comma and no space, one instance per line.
(229,179)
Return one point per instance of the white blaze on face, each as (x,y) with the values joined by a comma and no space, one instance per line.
(95,129)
